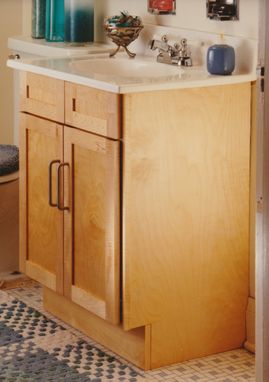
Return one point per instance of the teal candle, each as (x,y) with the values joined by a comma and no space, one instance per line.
(79,21)
(55,20)
(38,18)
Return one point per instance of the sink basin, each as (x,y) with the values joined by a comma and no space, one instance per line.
(124,68)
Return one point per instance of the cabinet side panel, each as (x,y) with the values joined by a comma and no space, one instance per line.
(186,218)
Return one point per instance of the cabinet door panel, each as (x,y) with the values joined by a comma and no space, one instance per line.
(41,225)
(92,248)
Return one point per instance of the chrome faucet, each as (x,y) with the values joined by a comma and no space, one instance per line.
(179,54)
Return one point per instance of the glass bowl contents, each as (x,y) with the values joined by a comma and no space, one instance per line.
(122,30)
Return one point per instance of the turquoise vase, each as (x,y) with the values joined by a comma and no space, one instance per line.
(55,20)
(38,18)
(79,21)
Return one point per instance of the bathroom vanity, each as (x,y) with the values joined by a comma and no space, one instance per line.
(135,206)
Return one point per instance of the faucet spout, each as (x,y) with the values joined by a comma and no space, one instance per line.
(161,45)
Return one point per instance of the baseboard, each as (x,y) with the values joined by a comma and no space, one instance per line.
(133,345)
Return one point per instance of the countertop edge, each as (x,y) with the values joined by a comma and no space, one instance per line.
(80,80)
(133,88)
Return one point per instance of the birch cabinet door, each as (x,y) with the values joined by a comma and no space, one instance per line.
(41,222)
(91,222)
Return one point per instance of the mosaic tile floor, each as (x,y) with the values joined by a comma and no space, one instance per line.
(61,353)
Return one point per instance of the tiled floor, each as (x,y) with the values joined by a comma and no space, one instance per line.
(237,365)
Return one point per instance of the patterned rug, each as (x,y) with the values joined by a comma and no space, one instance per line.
(33,347)
(62,353)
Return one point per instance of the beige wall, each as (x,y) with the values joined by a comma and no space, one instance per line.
(191,14)
(26,17)
(10,25)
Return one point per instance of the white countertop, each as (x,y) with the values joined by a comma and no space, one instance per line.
(64,69)
(90,67)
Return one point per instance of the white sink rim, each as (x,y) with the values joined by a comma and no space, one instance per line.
(124,68)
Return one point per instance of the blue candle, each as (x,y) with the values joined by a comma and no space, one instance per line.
(79,21)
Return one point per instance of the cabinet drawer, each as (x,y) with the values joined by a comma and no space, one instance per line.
(92,110)
(42,96)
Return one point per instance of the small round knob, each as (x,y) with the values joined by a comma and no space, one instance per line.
(164,38)
(14,56)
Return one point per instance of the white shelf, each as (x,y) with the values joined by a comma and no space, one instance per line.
(41,47)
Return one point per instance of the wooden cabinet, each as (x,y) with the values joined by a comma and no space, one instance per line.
(147,248)
(70,214)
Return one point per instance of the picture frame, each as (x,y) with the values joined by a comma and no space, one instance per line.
(162,7)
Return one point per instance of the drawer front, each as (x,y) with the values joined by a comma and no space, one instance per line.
(42,96)
(93,110)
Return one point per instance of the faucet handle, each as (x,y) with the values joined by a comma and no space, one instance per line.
(184,48)
(183,53)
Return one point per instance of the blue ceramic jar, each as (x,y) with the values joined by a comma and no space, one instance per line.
(221,59)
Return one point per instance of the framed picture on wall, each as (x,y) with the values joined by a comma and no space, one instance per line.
(162,7)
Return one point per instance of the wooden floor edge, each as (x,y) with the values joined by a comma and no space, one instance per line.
(133,345)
